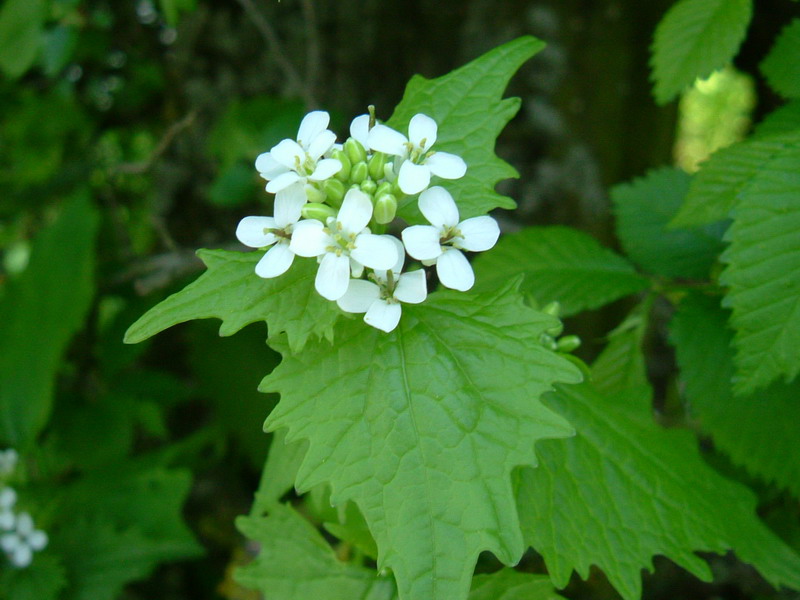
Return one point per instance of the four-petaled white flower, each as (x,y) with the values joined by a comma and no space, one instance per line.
(442,241)
(417,160)
(381,300)
(20,544)
(299,161)
(258,232)
(345,239)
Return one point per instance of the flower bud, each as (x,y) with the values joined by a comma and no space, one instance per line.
(313,193)
(554,308)
(385,209)
(555,330)
(548,342)
(355,151)
(334,190)
(383,188)
(359,172)
(344,172)
(368,186)
(318,211)
(377,165)
(568,343)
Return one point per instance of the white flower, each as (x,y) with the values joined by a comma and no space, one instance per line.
(359,130)
(299,161)
(20,545)
(8,461)
(344,243)
(258,232)
(417,161)
(442,241)
(381,300)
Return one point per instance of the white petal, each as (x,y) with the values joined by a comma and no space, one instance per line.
(268,167)
(356,211)
(276,261)
(356,268)
(333,276)
(478,233)
(24,524)
(309,239)
(21,556)
(281,182)
(455,271)
(383,316)
(412,287)
(446,165)
(438,207)
(250,231)
(288,204)
(413,178)
(385,139)
(37,540)
(359,296)
(8,496)
(422,128)
(7,520)
(326,168)
(321,144)
(374,251)
(311,126)
(422,241)
(401,254)
(288,153)
(359,130)
(10,542)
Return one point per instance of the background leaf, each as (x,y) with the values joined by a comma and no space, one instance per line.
(230,290)
(21,24)
(643,209)
(695,38)
(782,65)
(559,263)
(421,428)
(758,431)
(40,311)
(467,105)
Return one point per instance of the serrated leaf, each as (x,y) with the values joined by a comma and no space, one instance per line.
(694,39)
(715,189)
(40,311)
(20,34)
(230,290)
(295,563)
(758,431)
(782,65)
(42,580)
(763,275)
(421,428)
(643,209)
(625,489)
(559,263)
(467,105)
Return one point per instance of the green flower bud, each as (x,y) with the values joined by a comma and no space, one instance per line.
(376,165)
(313,193)
(368,186)
(316,210)
(385,209)
(334,190)
(568,343)
(548,342)
(344,172)
(359,172)
(554,308)
(383,188)
(355,151)
(555,330)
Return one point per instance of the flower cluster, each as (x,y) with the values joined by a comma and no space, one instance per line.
(333,202)
(19,539)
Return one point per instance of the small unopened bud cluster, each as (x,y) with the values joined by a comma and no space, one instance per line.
(333,202)
(19,538)
(550,338)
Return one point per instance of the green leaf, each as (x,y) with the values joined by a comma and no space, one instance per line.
(296,563)
(762,275)
(39,313)
(643,209)
(782,65)
(422,427)
(694,39)
(280,471)
(780,121)
(230,290)
(173,8)
(468,107)
(625,489)
(758,431)
(21,24)
(42,580)
(561,264)
(715,189)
